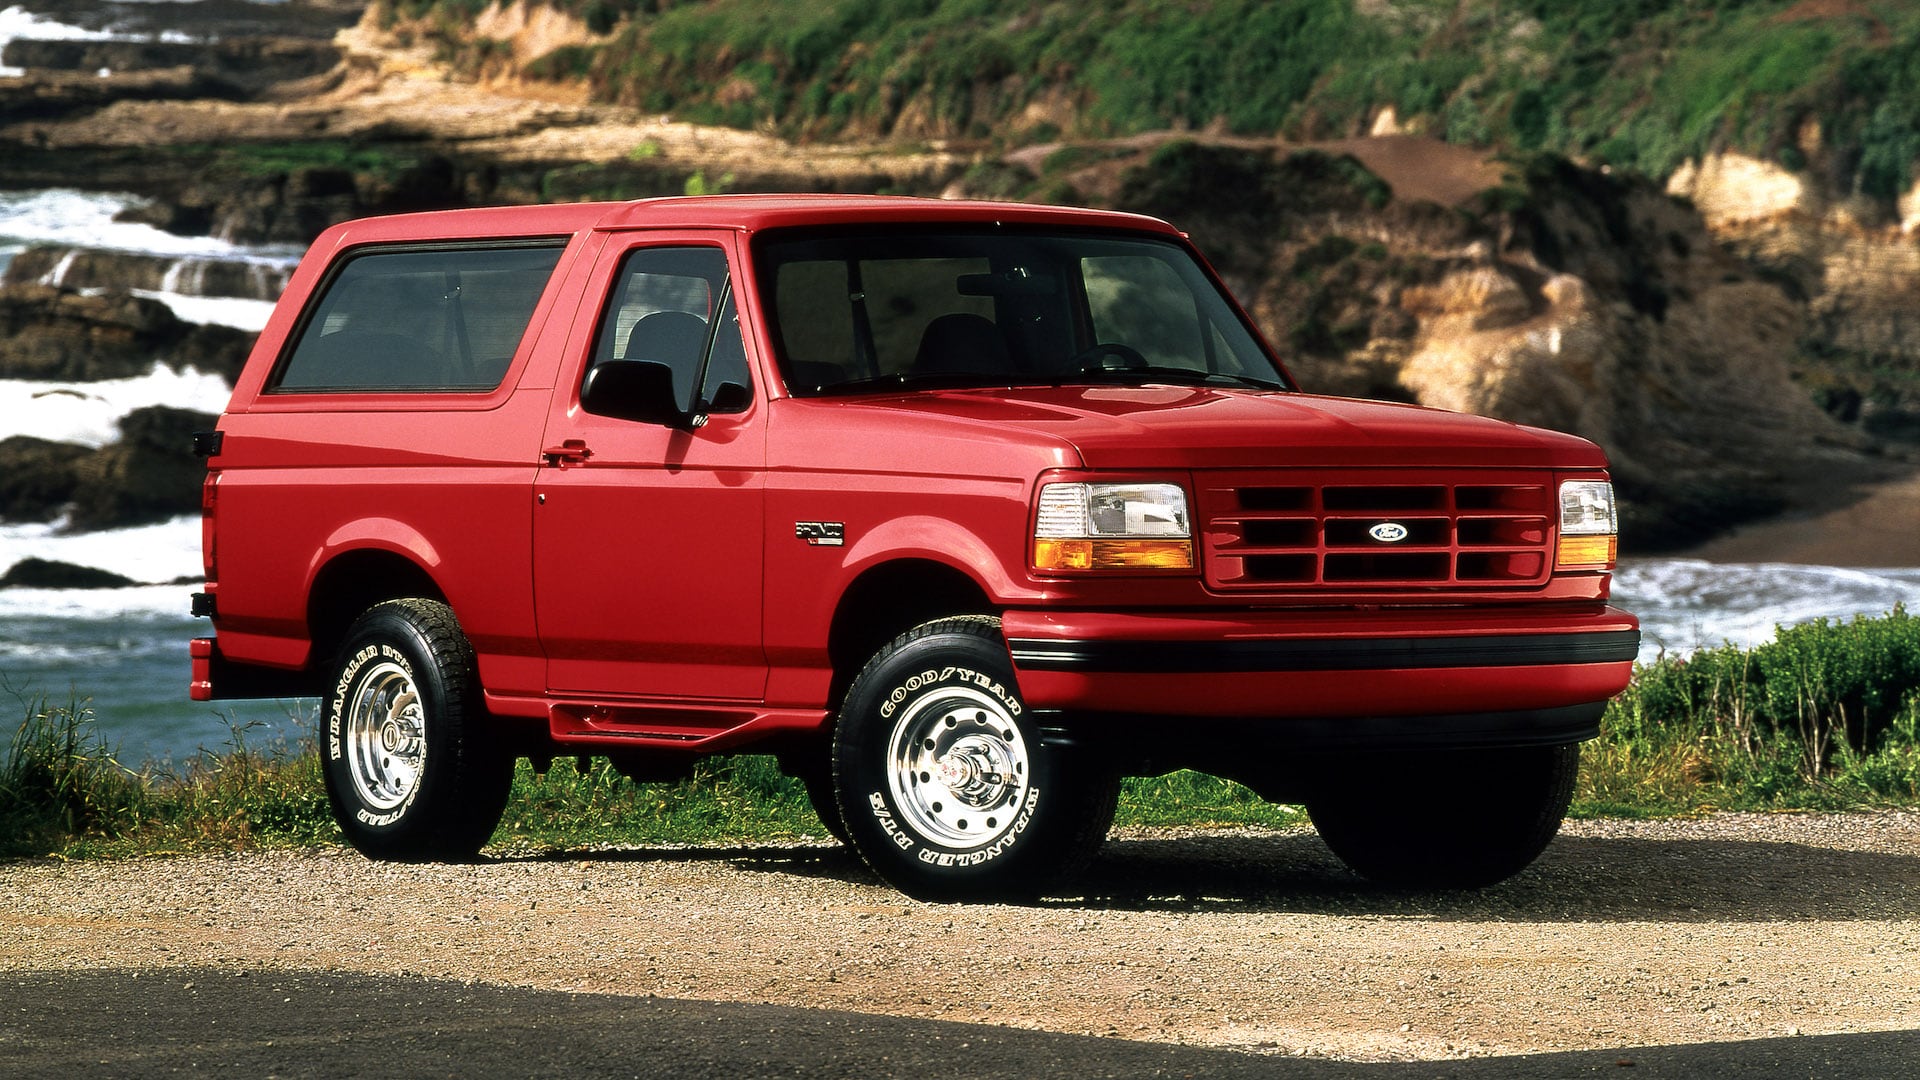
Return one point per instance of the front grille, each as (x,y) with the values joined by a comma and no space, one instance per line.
(1336,529)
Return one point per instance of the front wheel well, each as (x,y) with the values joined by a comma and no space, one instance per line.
(352,583)
(888,600)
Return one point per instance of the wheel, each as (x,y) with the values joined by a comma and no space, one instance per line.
(1103,357)
(410,772)
(945,784)
(1451,819)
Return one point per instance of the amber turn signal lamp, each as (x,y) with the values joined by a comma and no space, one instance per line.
(1112,554)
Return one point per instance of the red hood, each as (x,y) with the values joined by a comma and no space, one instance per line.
(1204,428)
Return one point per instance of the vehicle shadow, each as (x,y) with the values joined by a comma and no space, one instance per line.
(1578,878)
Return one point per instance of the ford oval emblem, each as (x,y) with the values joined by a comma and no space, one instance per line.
(1388,532)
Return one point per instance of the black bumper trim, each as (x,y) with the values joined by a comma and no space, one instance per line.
(1346,654)
(1219,745)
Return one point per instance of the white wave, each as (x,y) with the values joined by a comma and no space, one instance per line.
(162,552)
(233,311)
(86,412)
(1688,604)
(143,602)
(150,642)
(85,219)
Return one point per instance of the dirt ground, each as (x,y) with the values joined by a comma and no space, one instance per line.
(1727,928)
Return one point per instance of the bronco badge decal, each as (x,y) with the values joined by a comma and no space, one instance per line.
(821,533)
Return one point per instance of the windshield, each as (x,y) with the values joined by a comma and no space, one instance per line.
(948,307)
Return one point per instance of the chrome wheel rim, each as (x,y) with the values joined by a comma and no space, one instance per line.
(386,737)
(958,767)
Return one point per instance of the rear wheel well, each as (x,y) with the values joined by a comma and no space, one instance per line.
(351,584)
(889,600)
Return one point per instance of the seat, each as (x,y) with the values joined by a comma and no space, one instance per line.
(962,343)
(673,338)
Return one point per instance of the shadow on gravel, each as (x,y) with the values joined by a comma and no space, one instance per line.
(1577,879)
(217,1023)
(832,862)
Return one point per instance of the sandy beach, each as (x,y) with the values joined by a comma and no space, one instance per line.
(1840,524)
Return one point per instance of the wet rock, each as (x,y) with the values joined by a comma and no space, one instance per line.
(53,334)
(37,477)
(51,95)
(236,67)
(150,475)
(87,268)
(53,574)
(205,19)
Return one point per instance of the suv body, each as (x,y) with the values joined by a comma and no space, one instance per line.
(962,509)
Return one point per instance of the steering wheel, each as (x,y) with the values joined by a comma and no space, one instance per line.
(1108,356)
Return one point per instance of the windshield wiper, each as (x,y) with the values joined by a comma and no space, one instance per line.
(930,380)
(1156,373)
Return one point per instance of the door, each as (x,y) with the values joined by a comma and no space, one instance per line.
(648,536)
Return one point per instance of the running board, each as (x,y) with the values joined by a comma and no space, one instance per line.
(609,726)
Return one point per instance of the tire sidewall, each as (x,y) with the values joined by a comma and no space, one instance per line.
(885,692)
(384,635)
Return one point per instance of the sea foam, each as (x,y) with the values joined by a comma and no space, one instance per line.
(86,412)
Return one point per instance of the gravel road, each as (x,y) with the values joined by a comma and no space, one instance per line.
(1723,929)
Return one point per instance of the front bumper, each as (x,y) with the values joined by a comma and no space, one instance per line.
(1322,665)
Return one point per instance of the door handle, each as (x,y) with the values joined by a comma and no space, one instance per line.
(571,452)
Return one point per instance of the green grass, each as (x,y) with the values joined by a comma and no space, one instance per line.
(1824,717)
(1640,84)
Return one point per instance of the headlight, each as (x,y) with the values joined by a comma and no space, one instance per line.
(1589,526)
(1112,527)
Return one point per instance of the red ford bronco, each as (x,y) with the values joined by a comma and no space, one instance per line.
(963,510)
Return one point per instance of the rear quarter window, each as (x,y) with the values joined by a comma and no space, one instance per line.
(418,319)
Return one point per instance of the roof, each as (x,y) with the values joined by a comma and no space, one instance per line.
(748,213)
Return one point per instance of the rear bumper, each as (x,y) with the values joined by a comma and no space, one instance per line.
(216,678)
(1417,665)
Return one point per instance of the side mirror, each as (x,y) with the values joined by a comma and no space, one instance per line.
(730,397)
(632,390)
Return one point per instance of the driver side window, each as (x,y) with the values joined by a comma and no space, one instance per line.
(672,306)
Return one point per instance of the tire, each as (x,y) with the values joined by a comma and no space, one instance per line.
(946,786)
(1453,819)
(410,772)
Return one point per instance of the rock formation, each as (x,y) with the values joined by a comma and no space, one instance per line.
(1568,299)
(48,333)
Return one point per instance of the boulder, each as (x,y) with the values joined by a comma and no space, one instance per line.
(37,477)
(53,574)
(150,474)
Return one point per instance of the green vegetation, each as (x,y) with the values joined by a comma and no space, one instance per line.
(269,159)
(1826,716)
(1640,84)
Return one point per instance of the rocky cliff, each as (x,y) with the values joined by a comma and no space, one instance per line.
(1854,260)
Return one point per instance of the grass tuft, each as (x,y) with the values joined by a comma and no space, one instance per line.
(59,781)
